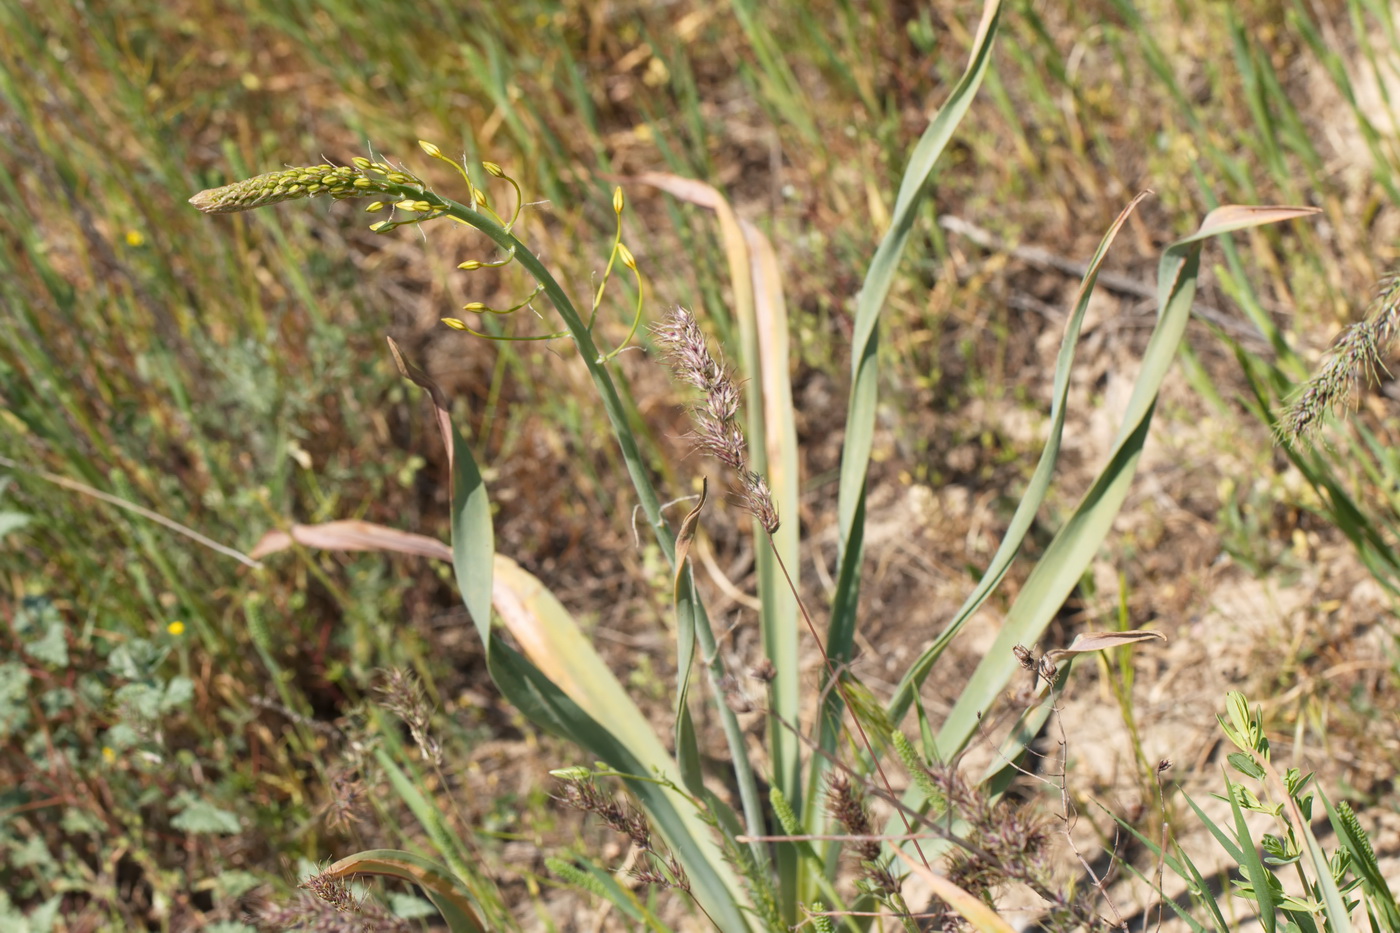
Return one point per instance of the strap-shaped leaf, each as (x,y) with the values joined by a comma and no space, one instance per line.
(1035,490)
(1076,543)
(563,685)
(865,341)
(435,880)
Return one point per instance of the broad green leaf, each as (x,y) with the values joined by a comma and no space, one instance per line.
(865,341)
(202,817)
(1020,524)
(865,376)
(562,683)
(1073,548)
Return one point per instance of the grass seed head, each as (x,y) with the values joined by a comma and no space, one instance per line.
(716,417)
(1354,355)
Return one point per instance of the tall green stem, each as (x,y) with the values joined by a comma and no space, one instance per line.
(636,469)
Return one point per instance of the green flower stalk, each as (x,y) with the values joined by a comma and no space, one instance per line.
(412,202)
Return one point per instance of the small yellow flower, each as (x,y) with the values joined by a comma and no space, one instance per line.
(176,628)
(109,754)
(135,238)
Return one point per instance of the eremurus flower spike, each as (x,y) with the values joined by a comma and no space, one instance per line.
(408,200)
(339,181)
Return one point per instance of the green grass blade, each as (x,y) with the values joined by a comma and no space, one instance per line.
(1259,878)
(450,845)
(1196,891)
(1214,829)
(1338,918)
(761,318)
(637,470)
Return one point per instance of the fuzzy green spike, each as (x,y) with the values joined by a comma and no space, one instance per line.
(787,818)
(820,922)
(340,181)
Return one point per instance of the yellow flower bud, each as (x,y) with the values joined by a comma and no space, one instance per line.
(361,163)
(626,256)
(375,208)
(492,169)
(617,201)
(453,323)
(469,265)
(476,306)
(430,149)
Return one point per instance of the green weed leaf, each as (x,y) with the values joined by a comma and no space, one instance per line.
(200,817)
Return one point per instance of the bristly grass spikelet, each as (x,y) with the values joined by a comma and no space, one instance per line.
(1354,354)
(717,429)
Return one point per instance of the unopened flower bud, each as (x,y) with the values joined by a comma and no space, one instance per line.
(576,773)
